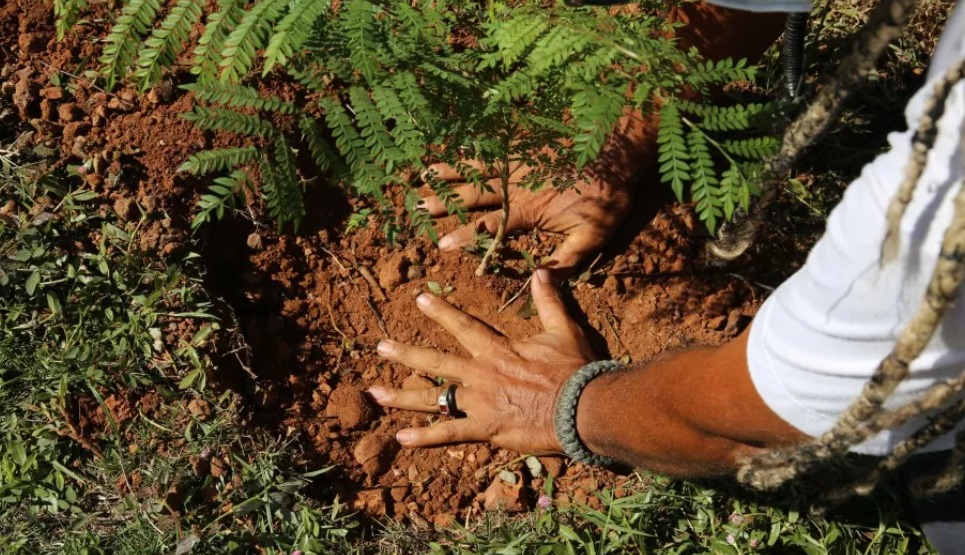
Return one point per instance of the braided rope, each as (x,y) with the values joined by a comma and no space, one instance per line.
(564,420)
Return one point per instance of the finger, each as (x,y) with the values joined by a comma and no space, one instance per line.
(577,247)
(465,236)
(476,337)
(471,195)
(425,400)
(447,172)
(430,361)
(549,303)
(459,430)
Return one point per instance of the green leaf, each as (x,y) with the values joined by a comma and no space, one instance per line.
(32,281)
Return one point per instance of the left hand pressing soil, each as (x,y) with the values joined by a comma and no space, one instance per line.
(507,388)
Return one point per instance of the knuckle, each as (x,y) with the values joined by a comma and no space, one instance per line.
(434,361)
(463,322)
(429,396)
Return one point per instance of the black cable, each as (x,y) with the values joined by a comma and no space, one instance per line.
(792,54)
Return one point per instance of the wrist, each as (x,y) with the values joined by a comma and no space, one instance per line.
(566,413)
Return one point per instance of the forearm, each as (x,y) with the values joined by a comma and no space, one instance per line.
(693,413)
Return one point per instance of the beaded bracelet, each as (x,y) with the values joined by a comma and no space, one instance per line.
(564,420)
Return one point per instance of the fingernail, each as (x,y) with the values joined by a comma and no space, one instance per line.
(405,436)
(423,300)
(446,242)
(543,275)
(378,393)
(386,348)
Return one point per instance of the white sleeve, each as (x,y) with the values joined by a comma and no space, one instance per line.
(821,335)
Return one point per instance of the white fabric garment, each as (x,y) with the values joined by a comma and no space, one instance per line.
(820,336)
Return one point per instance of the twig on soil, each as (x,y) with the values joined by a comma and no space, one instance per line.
(345,339)
(86,81)
(376,289)
(613,330)
(503,223)
(75,435)
(517,295)
(348,273)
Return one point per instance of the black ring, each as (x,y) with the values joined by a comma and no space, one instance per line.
(451,400)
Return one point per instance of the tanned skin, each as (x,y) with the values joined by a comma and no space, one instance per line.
(693,413)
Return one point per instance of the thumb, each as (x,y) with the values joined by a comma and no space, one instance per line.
(576,248)
(466,235)
(549,302)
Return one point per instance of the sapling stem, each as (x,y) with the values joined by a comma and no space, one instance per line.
(503,222)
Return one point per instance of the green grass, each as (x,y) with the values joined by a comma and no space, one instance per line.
(101,451)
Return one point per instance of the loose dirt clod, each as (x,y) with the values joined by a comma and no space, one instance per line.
(351,407)
(393,271)
(501,495)
(374,452)
(199,408)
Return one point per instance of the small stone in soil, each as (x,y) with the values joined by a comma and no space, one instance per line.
(125,208)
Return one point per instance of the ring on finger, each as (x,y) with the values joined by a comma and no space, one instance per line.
(447,401)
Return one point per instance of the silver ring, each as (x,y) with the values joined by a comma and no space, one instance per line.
(447,401)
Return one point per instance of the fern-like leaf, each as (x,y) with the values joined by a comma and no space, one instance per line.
(279,185)
(721,72)
(347,137)
(511,39)
(292,31)
(407,137)
(672,148)
(166,42)
(359,26)
(757,148)
(322,152)
(68,13)
(208,161)
(407,85)
(137,17)
(244,41)
(704,190)
(220,119)
(594,114)
(419,217)
(207,54)
(373,131)
(222,194)
(238,96)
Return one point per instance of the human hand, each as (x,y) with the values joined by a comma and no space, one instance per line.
(506,388)
(587,214)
